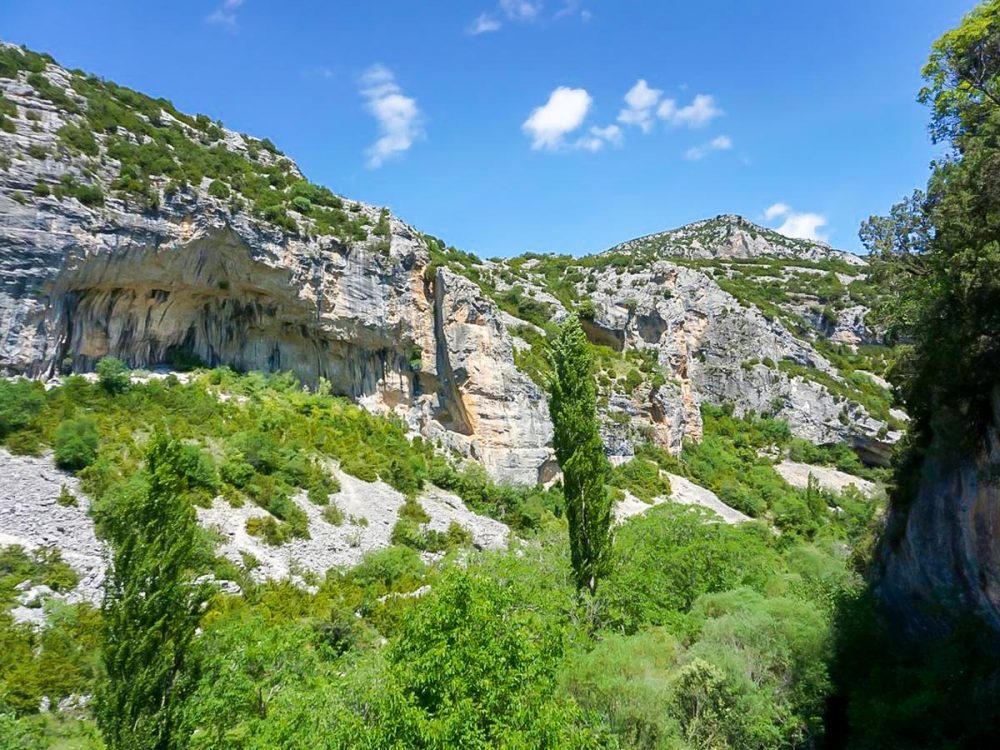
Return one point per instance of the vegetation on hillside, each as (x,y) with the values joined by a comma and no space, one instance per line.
(156,151)
(278,663)
(701,634)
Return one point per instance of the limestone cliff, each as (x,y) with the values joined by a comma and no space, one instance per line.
(940,559)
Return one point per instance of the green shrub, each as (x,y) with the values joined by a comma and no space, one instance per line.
(333,515)
(669,556)
(66,498)
(78,139)
(113,375)
(218,189)
(75,443)
(236,470)
(389,569)
(21,401)
(642,478)
(270,530)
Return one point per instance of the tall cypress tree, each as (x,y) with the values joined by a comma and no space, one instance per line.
(151,606)
(580,452)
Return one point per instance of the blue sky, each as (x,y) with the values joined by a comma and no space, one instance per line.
(520,137)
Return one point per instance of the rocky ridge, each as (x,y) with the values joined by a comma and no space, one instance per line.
(729,236)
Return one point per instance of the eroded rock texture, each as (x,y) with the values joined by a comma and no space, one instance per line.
(941,559)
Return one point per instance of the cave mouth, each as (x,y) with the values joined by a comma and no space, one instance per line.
(210,302)
(601,336)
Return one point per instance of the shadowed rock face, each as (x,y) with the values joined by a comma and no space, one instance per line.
(942,559)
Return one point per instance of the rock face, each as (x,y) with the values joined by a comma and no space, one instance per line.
(711,347)
(940,559)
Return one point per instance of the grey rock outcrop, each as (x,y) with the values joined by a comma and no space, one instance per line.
(940,560)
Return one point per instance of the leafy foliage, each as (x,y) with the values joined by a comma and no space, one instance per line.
(938,251)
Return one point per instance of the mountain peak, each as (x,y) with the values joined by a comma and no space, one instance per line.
(731,236)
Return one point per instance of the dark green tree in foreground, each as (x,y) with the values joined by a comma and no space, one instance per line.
(580,452)
(151,606)
(938,253)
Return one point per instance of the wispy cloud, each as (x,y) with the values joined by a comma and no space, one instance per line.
(225,14)
(521,10)
(524,12)
(641,99)
(643,102)
(564,112)
(597,138)
(775,210)
(719,143)
(573,8)
(324,72)
(399,118)
(805,225)
(484,24)
(701,111)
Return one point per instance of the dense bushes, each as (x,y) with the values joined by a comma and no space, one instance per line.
(674,555)
(21,401)
(75,443)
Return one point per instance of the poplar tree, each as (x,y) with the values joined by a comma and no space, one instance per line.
(151,605)
(580,452)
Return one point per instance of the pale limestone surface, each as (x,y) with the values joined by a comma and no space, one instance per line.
(797,475)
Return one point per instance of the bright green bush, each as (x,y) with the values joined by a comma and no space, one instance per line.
(113,375)
(21,402)
(671,555)
(75,443)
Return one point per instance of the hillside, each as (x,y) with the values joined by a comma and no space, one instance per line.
(134,230)
(351,421)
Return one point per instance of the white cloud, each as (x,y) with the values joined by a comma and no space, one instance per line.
(719,143)
(525,11)
(641,99)
(641,96)
(804,226)
(484,24)
(521,10)
(644,101)
(597,137)
(563,113)
(398,117)
(667,109)
(612,134)
(701,111)
(225,14)
(775,210)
